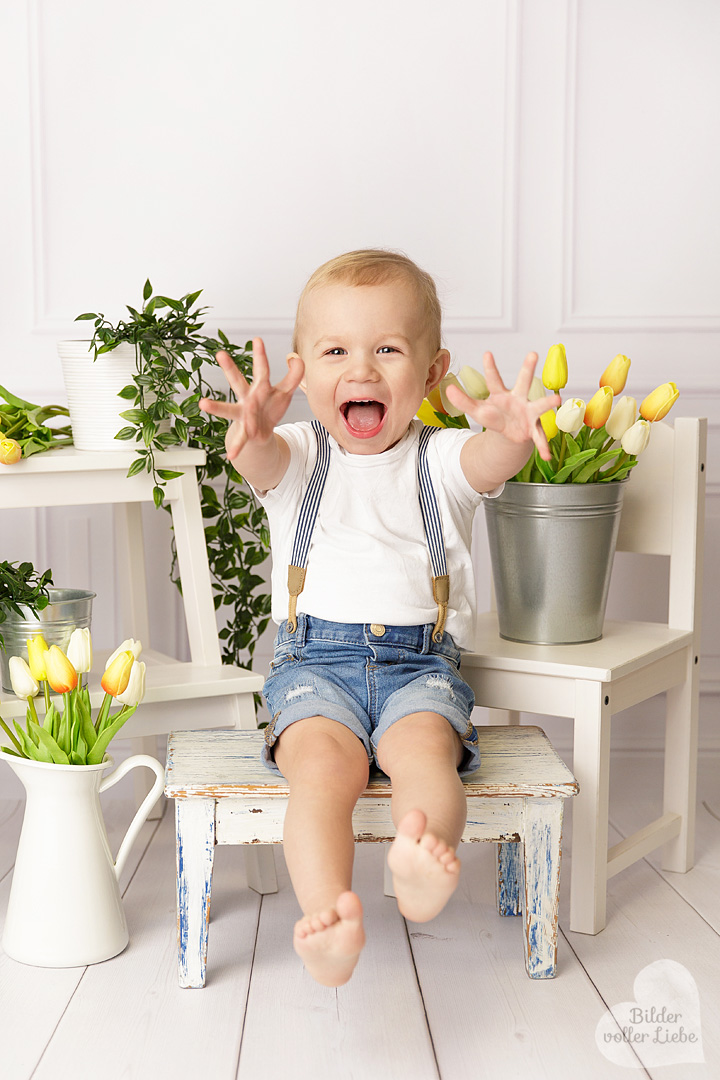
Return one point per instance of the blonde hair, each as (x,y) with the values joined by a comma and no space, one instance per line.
(376,266)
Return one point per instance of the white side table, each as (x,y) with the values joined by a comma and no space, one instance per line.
(203,693)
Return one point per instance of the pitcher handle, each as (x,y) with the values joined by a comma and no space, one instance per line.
(145,806)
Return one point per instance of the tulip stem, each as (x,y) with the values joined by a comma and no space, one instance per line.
(623,458)
(13,740)
(563,449)
(46,691)
(32,711)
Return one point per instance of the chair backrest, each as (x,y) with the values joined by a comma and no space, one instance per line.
(663,511)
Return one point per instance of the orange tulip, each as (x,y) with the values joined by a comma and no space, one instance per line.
(659,402)
(117,675)
(616,373)
(61,675)
(598,407)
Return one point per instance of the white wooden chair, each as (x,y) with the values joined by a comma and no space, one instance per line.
(224,795)
(663,514)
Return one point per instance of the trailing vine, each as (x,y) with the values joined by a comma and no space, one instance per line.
(173,361)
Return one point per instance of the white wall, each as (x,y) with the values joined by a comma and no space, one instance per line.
(553,163)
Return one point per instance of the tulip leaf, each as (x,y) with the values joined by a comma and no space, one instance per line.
(590,469)
(573,463)
(98,751)
(28,746)
(573,445)
(544,466)
(42,753)
(51,748)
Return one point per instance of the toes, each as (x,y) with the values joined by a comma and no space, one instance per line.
(349,907)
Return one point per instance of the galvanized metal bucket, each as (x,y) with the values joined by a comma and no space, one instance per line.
(552,549)
(67,609)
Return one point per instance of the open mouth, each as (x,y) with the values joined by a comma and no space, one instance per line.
(364,418)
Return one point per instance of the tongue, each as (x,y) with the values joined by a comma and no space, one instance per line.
(364,417)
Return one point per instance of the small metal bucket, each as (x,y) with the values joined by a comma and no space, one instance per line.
(67,609)
(552,549)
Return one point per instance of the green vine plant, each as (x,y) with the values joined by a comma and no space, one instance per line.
(22,586)
(173,359)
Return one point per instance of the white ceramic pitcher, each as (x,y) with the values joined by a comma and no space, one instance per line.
(65,908)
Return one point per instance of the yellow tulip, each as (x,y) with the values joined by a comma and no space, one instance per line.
(474,383)
(598,407)
(555,370)
(61,675)
(616,373)
(435,400)
(10,451)
(659,402)
(37,648)
(117,674)
(426,413)
(549,424)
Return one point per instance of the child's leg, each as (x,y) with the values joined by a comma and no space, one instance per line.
(420,754)
(327,768)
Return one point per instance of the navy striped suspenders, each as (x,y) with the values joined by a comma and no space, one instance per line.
(306,522)
(308,516)
(433,533)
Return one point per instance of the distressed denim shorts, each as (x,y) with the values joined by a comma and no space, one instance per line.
(366,680)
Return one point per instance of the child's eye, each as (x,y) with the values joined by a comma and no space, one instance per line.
(337,351)
(387,348)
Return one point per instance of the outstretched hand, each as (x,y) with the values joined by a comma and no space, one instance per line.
(259,406)
(508,412)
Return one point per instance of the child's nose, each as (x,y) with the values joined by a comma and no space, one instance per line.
(361,366)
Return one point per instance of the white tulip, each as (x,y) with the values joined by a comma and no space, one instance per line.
(450,409)
(134,692)
(21,678)
(128,645)
(537,390)
(636,437)
(571,416)
(79,650)
(622,417)
(474,383)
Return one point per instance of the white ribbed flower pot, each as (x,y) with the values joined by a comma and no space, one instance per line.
(92,389)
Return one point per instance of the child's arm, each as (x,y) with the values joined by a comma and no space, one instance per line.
(257,453)
(511,422)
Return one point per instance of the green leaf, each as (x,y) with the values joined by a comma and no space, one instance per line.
(97,753)
(147,290)
(135,416)
(137,466)
(158,496)
(592,467)
(544,467)
(128,393)
(572,463)
(85,317)
(168,474)
(51,748)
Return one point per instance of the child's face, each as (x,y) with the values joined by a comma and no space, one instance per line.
(369,362)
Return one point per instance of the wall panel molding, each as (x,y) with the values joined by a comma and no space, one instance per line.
(598,321)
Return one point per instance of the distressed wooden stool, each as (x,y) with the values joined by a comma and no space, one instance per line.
(225,795)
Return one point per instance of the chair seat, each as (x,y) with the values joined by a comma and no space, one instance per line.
(624,648)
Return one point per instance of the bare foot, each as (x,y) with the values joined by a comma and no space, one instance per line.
(425,869)
(330,942)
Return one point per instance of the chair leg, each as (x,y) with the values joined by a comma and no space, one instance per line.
(505,717)
(260,868)
(591,766)
(195,839)
(680,788)
(509,880)
(541,857)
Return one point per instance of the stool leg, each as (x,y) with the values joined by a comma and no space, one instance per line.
(509,879)
(542,834)
(260,868)
(195,839)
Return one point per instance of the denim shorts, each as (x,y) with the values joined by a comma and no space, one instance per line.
(366,677)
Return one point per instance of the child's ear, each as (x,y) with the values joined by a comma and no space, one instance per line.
(296,356)
(438,369)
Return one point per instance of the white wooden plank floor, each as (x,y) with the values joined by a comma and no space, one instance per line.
(446,999)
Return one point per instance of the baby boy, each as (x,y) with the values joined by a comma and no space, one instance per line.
(372,514)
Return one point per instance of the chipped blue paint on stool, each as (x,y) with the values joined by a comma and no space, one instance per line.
(224,795)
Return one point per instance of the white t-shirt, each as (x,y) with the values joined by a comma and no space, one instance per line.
(368,559)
